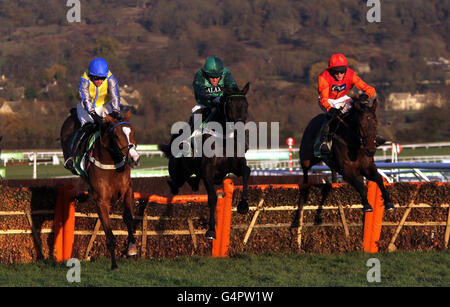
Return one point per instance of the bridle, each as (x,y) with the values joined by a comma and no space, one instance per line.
(364,138)
(225,101)
(361,138)
(120,149)
(116,152)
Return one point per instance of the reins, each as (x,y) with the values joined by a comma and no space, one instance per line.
(346,125)
(113,152)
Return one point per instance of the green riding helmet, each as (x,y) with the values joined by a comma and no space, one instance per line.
(213,67)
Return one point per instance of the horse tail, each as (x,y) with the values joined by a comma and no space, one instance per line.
(166,150)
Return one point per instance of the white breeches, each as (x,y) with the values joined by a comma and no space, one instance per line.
(344,103)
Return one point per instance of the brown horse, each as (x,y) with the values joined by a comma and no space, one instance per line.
(213,169)
(108,170)
(352,150)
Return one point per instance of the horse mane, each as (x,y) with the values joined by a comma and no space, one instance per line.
(360,107)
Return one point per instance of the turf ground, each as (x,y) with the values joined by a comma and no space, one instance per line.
(397,269)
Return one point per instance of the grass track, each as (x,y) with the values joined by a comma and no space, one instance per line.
(400,269)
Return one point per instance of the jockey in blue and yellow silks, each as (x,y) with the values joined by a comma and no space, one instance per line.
(99,93)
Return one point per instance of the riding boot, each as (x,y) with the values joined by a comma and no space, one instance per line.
(197,127)
(380,140)
(325,139)
(79,136)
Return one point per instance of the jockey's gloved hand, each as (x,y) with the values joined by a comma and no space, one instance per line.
(333,112)
(363,97)
(216,101)
(97,118)
(115,114)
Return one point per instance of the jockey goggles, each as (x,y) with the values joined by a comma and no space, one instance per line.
(96,78)
(338,70)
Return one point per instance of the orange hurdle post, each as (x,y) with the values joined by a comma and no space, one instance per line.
(64,222)
(223,220)
(58,224)
(373,220)
(217,243)
(68,222)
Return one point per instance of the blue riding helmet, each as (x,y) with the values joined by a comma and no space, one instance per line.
(99,68)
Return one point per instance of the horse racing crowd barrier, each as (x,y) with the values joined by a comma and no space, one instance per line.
(282,218)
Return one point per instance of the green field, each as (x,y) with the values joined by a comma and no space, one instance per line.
(48,171)
(397,269)
(408,152)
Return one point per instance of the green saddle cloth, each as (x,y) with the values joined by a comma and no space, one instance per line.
(81,159)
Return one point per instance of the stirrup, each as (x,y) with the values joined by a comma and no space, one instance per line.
(379,140)
(68,164)
(325,148)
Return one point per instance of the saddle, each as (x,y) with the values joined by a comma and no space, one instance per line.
(189,142)
(333,125)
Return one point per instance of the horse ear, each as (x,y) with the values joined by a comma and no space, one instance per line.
(357,105)
(127,115)
(246,88)
(374,106)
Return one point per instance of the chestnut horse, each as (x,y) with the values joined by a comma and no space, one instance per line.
(108,170)
(352,150)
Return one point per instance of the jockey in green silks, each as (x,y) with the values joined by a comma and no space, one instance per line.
(209,83)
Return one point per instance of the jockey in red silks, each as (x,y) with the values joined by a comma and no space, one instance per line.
(334,84)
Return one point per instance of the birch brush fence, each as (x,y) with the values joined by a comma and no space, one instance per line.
(292,218)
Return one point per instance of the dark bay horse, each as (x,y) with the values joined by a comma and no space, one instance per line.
(352,151)
(233,108)
(108,169)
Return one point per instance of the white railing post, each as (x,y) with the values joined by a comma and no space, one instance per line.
(34,165)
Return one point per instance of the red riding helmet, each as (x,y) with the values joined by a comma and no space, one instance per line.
(337,60)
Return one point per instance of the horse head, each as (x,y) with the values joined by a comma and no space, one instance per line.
(235,104)
(367,122)
(123,140)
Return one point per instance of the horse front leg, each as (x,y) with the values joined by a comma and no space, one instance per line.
(378,179)
(128,218)
(306,166)
(358,183)
(212,202)
(103,207)
(242,207)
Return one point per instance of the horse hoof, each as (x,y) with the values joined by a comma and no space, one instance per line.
(242,207)
(114,267)
(173,189)
(132,250)
(193,183)
(211,235)
(389,205)
(82,197)
(367,208)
